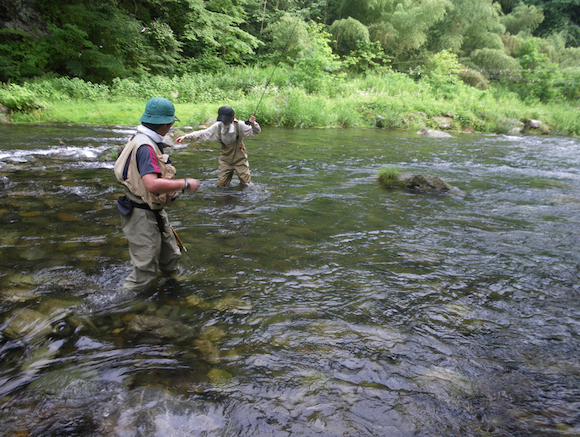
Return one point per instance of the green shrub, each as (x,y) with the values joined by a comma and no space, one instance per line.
(474,78)
(18,99)
(349,35)
(496,64)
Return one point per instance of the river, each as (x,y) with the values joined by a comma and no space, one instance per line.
(315,303)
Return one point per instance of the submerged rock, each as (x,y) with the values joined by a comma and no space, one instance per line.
(28,325)
(158,327)
(154,411)
(417,182)
(219,377)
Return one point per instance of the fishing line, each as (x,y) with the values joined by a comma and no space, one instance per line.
(274,70)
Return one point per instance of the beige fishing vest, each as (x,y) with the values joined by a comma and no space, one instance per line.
(134,183)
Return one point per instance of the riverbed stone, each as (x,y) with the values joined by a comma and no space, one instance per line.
(68,382)
(433,133)
(34,254)
(444,382)
(158,327)
(193,300)
(213,333)
(18,294)
(28,325)
(232,303)
(219,376)
(208,350)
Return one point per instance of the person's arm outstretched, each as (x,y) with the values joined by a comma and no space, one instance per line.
(208,134)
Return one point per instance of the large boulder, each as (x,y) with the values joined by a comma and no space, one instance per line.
(417,182)
(22,15)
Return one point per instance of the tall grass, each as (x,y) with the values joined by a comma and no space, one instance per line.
(285,97)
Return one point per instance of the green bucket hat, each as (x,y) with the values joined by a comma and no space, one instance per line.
(159,110)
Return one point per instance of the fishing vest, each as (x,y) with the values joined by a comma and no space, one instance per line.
(134,183)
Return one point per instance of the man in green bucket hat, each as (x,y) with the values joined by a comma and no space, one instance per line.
(150,186)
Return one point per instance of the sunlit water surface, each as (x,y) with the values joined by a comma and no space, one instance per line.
(316,303)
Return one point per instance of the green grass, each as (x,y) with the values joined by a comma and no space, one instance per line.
(388,100)
(387,176)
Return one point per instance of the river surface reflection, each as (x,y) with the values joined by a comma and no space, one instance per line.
(314,303)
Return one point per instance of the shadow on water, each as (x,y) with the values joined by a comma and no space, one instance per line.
(314,303)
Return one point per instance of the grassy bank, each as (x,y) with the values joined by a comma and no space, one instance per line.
(387,100)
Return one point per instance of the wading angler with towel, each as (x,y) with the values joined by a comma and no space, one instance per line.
(230,133)
(150,186)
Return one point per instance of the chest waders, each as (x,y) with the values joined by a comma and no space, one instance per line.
(233,158)
(152,245)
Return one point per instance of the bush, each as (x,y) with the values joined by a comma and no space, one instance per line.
(570,58)
(18,99)
(349,35)
(474,78)
(496,64)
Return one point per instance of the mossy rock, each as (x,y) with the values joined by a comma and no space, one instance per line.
(416,182)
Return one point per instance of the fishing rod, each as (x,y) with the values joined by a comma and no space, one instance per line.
(274,70)
(179,243)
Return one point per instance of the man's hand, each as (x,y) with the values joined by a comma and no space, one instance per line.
(193,185)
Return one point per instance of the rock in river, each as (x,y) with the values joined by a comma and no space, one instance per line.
(417,182)
(433,133)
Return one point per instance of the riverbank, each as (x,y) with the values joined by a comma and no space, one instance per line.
(388,100)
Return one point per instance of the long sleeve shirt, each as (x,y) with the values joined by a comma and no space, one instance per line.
(228,133)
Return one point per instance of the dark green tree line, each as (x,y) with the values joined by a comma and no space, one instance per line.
(100,40)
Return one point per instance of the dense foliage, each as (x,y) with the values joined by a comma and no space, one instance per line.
(380,98)
(526,47)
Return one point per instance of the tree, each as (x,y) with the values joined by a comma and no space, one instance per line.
(468,25)
(523,18)
(213,27)
(495,64)
(286,38)
(542,77)
(349,34)
(398,25)
(561,16)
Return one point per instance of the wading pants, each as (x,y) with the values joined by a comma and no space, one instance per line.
(236,160)
(151,251)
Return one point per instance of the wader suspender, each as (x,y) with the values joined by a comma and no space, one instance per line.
(237,134)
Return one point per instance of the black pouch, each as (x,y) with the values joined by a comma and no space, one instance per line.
(124,205)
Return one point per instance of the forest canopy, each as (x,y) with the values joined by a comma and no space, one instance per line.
(480,40)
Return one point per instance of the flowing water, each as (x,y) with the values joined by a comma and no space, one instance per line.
(315,303)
